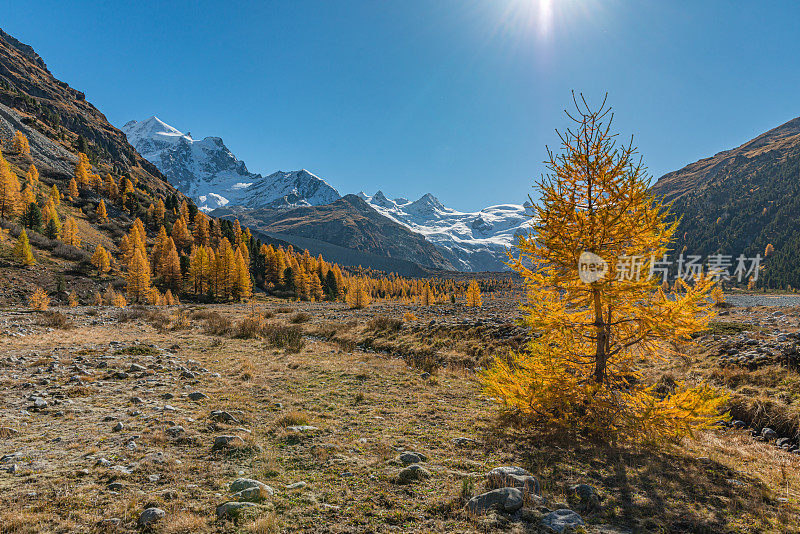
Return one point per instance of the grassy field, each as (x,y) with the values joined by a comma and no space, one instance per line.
(371,386)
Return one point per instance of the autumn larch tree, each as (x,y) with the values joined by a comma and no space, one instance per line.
(474,294)
(594,326)
(101,212)
(69,232)
(21,144)
(138,287)
(72,190)
(101,260)
(9,191)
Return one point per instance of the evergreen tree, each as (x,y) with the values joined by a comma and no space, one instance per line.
(32,217)
(72,190)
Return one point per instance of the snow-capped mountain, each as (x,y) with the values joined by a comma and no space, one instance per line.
(209,173)
(474,241)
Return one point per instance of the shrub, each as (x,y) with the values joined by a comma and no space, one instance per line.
(54,319)
(300,317)
(217,324)
(382,324)
(289,338)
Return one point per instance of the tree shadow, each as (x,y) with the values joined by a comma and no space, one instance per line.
(645,490)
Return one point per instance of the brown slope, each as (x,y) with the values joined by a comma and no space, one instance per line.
(41,103)
(776,144)
(349,223)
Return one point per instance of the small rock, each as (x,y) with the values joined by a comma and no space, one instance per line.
(505,499)
(769,434)
(562,520)
(408,457)
(196,396)
(512,477)
(232,509)
(303,428)
(174,431)
(150,516)
(227,442)
(118,427)
(241,484)
(223,417)
(412,473)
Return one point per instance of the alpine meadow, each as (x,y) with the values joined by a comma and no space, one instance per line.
(543,320)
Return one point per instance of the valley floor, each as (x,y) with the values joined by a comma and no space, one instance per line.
(104,419)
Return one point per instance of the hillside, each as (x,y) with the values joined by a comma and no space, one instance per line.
(741,200)
(349,223)
(35,102)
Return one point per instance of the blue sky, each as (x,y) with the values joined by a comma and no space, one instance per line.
(458,98)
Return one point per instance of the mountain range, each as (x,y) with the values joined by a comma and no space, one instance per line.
(208,172)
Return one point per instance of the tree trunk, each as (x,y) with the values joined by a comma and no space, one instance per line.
(601,352)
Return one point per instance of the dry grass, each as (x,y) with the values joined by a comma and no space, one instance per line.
(54,319)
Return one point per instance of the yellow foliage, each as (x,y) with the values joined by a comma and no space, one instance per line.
(73,300)
(69,233)
(582,371)
(23,250)
(474,294)
(39,299)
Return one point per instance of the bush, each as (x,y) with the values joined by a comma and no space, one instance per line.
(381,324)
(70,253)
(217,324)
(300,317)
(289,338)
(54,319)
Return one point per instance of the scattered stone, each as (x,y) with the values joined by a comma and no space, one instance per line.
(118,427)
(227,442)
(296,485)
(241,484)
(412,473)
(464,442)
(230,510)
(150,516)
(408,458)
(223,417)
(196,396)
(174,431)
(512,477)
(563,520)
(504,499)
(303,428)
(768,434)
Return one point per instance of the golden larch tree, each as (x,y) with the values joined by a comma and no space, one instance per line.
(10,198)
(101,212)
(101,259)
(39,299)
(138,287)
(23,251)
(72,190)
(597,312)
(473,294)
(69,233)
(21,145)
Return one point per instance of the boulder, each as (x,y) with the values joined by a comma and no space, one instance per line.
(241,484)
(150,516)
(504,499)
(408,458)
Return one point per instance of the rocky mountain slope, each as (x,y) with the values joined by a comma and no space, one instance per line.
(349,223)
(741,200)
(475,241)
(59,121)
(208,172)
